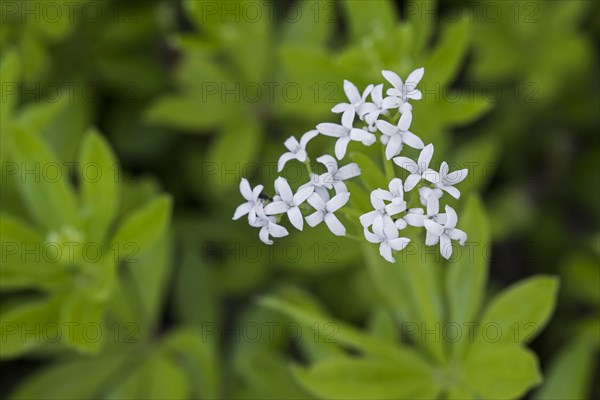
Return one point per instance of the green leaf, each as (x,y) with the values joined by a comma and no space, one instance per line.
(346,335)
(44,182)
(520,312)
(313,24)
(445,59)
(200,360)
(501,371)
(143,227)
(99,176)
(462,109)
(466,277)
(570,372)
(366,18)
(76,380)
(10,76)
(26,326)
(371,174)
(21,269)
(86,318)
(158,377)
(347,378)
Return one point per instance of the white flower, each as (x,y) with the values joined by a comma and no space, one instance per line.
(335,177)
(416,216)
(316,184)
(345,132)
(398,135)
(402,92)
(419,169)
(297,150)
(325,212)
(397,205)
(356,100)
(289,203)
(387,237)
(253,204)
(268,227)
(445,181)
(443,233)
(381,210)
(374,109)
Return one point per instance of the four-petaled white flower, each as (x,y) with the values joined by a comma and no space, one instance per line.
(373,110)
(325,212)
(418,170)
(398,135)
(297,150)
(416,216)
(268,227)
(387,237)
(444,232)
(445,181)
(382,210)
(345,133)
(288,202)
(335,177)
(356,101)
(253,203)
(401,93)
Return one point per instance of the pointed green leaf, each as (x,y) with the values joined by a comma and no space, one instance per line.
(520,312)
(99,176)
(43,182)
(142,228)
(501,371)
(348,378)
(466,277)
(369,17)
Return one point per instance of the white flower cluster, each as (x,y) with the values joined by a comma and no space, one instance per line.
(327,193)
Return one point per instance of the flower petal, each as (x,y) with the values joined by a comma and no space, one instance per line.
(386,128)
(399,244)
(245,189)
(334,225)
(413,219)
(404,122)
(412,140)
(445,246)
(368,218)
(393,79)
(332,130)
(452,191)
(307,137)
(348,171)
(371,237)
(411,181)
(431,239)
(302,194)
(337,202)
(457,176)
(340,108)
(414,78)
(433,227)
(391,102)
(360,135)
(314,219)
(277,230)
(329,162)
(285,157)
(340,147)
(348,117)
(451,218)
(425,156)
(394,147)
(283,189)
(433,205)
(276,207)
(457,234)
(316,202)
(385,250)
(295,217)
(395,208)
(264,235)
(351,92)
(242,210)
(292,144)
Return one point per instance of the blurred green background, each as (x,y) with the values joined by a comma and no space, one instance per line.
(176,101)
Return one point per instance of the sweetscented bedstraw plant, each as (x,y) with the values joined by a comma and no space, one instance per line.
(327,193)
